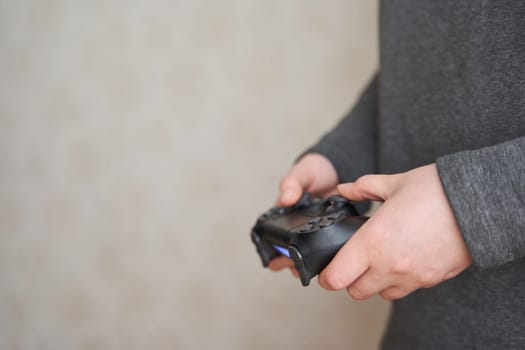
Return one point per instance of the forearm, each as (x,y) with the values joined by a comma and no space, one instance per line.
(486,189)
(351,146)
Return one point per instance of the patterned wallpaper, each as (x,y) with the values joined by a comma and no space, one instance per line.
(139,141)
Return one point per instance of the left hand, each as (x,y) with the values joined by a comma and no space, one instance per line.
(412,241)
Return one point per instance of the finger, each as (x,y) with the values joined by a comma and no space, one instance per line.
(279,263)
(396,292)
(292,187)
(346,267)
(373,187)
(369,284)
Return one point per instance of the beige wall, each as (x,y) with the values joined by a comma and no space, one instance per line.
(139,140)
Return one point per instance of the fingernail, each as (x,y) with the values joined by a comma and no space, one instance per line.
(345,185)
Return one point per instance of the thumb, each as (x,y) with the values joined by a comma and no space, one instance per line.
(292,187)
(371,187)
(290,191)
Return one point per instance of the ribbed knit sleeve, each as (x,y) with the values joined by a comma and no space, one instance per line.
(352,145)
(486,189)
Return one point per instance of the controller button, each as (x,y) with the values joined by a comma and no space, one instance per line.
(315,221)
(336,216)
(338,199)
(306,228)
(325,222)
(281,211)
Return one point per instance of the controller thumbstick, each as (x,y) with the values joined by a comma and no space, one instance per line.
(305,200)
(336,199)
(337,202)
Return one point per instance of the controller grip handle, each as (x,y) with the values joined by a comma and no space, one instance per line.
(265,250)
(310,259)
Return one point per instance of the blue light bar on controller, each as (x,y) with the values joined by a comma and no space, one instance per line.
(281,250)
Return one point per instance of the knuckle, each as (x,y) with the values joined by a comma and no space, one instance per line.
(333,282)
(386,296)
(428,278)
(401,266)
(396,293)
(358,292)
(451,274)
(389,296)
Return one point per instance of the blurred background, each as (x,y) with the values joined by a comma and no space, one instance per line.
(139,141)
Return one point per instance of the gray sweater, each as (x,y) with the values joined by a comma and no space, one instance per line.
(451,90)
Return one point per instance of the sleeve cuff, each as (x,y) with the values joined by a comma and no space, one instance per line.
(484,189)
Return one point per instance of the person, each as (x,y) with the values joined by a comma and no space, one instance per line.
(438,136)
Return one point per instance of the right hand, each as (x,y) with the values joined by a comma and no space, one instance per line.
(312,173)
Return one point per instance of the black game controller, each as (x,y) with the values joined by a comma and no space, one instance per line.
(310,232)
